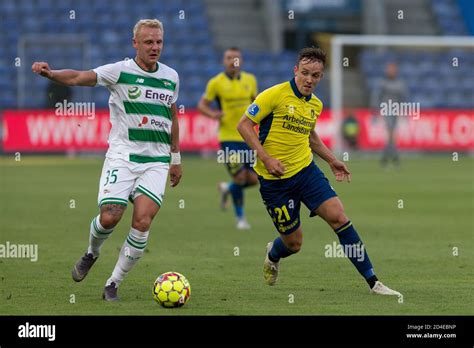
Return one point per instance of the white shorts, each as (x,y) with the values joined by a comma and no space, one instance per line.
(122,181)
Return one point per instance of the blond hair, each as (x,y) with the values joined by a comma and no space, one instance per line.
(151,23)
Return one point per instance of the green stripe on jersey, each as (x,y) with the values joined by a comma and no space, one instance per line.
(132,79)
(149,135)
(148,159)
(147,109)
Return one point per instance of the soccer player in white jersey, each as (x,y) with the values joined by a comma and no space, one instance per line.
(143,146)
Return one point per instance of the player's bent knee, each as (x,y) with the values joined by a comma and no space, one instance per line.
(142,223)
(109,221)
(240,177)
(294,241)
(342,217)
(110,215)
(252,178)
(294,246)
(339,219)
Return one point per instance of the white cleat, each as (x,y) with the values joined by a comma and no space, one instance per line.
(270,268)
(242,224)
(381,289)
(223,188)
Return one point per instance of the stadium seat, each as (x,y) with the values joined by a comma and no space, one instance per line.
(108,25)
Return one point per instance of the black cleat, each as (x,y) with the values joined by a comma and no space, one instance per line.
(110,293)
(82,267)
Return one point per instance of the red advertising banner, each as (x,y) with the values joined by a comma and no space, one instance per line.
(43,131)
(430,130)
(197,132)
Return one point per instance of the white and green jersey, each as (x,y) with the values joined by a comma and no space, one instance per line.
(140,110)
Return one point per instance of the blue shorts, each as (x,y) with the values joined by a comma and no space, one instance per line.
(237,156)
(283,197)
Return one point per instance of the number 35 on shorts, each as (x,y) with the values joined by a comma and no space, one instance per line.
(111,177)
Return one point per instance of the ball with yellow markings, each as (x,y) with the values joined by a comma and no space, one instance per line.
(171,289)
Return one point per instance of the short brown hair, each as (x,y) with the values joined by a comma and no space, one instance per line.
(312,54)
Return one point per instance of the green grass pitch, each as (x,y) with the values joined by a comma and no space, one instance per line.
(425,250)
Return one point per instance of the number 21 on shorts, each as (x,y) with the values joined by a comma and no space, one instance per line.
(279,214)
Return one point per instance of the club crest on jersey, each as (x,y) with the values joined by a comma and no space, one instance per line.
(134,92)
(253,110)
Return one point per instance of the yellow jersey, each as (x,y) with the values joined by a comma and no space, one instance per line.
(285,119)
(232,96)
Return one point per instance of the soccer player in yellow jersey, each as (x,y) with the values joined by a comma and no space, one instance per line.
(233,90)
(287,114)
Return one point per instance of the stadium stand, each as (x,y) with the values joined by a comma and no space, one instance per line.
(431,77)
(106,26)
(191,48)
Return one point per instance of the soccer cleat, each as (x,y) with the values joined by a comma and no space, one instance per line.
(381,289)
(82,267)
(223,188)
(242,224)
(110,292)
(270,268)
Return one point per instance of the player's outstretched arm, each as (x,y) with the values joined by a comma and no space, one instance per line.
(338,168)
(65,77)
(175,167)
(245,128)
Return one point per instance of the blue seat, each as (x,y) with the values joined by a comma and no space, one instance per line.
(108,24)
(408,70)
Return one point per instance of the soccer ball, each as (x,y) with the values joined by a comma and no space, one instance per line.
(171,289)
